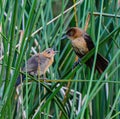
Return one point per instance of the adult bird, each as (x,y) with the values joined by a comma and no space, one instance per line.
(82,44)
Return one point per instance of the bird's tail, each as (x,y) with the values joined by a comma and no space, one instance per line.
(101,63)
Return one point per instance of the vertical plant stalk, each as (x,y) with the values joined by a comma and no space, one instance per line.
(76,21)
(20,41)
(1,51)
(0,41)
(12,48)
(26,88)
(75,14)
(84,11)
(44,26)
(87,22)
(21,86)
(38,71)
(93,68)
(66,96)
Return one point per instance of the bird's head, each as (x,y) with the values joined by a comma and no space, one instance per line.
(49,53)
(73,33)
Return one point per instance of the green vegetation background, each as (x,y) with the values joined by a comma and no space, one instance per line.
(70,94)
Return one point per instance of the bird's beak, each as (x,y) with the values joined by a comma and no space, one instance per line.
(64,37)
(56,51)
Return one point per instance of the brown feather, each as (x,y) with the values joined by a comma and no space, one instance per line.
(82,44)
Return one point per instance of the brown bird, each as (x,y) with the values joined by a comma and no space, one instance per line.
(82,44)
(41,60)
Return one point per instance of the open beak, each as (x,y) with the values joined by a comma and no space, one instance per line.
(64,37)
(56,51)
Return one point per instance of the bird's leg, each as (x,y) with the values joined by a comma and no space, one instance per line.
(76,63)
(44,77)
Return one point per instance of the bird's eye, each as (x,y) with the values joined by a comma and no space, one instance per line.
(71,32)
(48,52)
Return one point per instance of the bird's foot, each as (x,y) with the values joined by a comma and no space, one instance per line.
(76,63)
(44,78)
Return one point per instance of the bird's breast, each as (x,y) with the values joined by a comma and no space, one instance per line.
(80,46)
(47,64)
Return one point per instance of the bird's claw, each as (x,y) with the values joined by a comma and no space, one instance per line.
(76,63)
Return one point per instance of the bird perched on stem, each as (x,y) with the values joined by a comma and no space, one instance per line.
(82,44)
(41,60)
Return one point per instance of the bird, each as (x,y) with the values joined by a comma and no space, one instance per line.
(41,60)
(82,43)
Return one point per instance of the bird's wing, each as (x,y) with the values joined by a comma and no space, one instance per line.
(89,41)
(44,62)
(32,64)
(43,59)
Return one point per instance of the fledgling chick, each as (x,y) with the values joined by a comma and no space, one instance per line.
(82,44)
(43,60)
